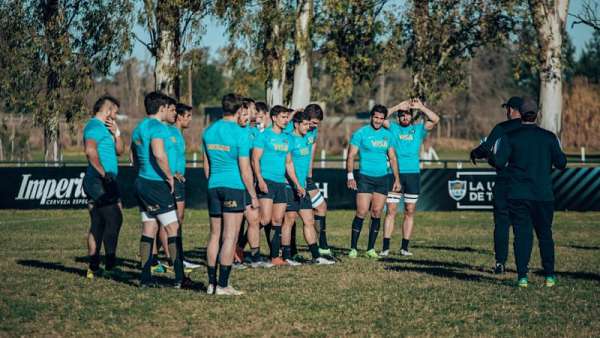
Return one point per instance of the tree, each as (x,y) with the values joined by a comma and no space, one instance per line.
(441,36)
(71,42)
(589,61)
(170,24)
(589,15)
(549,19)
(303,55)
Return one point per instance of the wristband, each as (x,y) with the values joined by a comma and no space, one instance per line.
(117,133)
(350,176)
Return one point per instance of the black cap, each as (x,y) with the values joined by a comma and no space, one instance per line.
(529,107)
(514,102)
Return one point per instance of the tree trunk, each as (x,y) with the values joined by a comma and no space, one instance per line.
(165,69)
(275,86)
(53,26)
(420,19)
(276,62)
(302,70)
(549,18)
(189,84)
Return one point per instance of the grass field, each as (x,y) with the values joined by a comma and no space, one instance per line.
(445,289)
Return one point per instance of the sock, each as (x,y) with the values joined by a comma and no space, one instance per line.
(314,250)
(255,254)
(243,240)
(287,252)
(386,244)
(212,275)
(373,232)
(357,224)
(95,260)
(110,261)
(224,271)
(175,253)
(405,244)
(146,244)
(276,242)
(322,226)
(293,245)
(180,245)
(154,260)
(268,234)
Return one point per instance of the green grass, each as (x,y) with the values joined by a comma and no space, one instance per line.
(445,289)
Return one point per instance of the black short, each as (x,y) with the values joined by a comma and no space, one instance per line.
(101,193)
(223,199)
(310,184)
(411,186)
(297,203)
(154,197)
(370,184)
(276,192)
(179,192)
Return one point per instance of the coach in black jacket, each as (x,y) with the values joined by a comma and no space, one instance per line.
(501,217)
(527,155)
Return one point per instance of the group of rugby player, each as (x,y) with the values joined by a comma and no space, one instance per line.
(258,163)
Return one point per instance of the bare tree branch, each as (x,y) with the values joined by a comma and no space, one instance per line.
(589,15)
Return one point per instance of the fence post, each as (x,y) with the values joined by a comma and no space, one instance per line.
(344,157)
(582,154)
(323,156)
(458,165)
(195,159)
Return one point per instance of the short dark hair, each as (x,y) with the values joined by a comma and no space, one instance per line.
(102,100)
(314,111)
(182,108)
(246,101)
(231,103)
(262,107)
(154,100)
(301,116)
(378,108)
(276,110)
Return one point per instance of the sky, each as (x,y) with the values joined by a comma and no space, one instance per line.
(215,36)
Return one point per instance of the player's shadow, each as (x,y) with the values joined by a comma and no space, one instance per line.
(440,271)
(583,247)
(129,278)
(574,275)
(120,262)
(339,250)
(452,248)
(430,263)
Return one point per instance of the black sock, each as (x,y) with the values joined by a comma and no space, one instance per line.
(95,261)
(276,241)
(154,260)
(286,252)
(175,253)
(212,275)
(314,250)
(405,244)
(146,244)
(293,245)
(180,245)
(242,235)
(255,254)
(322,226)
(224,271)
(268,234)
(386,244)
(357,224)
(110,261)
(373,232)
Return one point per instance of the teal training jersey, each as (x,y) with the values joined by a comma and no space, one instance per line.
(275,148)
(253,133)
(300,148)
(141,138)
(372,146)
(178,165)
(225,142)
(407,143)
(105,145)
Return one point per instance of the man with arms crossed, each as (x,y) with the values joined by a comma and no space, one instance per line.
(103,145)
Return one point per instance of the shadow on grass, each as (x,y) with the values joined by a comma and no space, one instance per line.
(574,275)
(583,247)
(430,263)
(439,271)
(452,248)
(126,277)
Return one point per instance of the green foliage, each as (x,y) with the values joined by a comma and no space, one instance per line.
(588,64)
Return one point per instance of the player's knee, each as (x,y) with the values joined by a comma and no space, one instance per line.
(376,212)
(361,213)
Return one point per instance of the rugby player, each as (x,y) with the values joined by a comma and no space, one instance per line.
(230,190)
(269,156)
(155,185)
(374,143)
(299,204)
(103,145)
(408,135)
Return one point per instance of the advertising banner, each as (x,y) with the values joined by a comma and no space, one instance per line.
(441,189)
